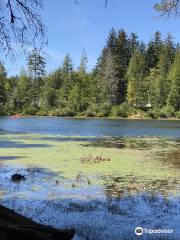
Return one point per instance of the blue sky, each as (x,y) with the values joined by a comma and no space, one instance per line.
(72,28)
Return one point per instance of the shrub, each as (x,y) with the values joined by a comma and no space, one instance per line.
(42,112)
(29,110)
(90,113)
(153,113)
(3,111)
(167,111)
(67,112)
(101,110)
(120,110)
(101,114)
(104,110)
(177,114)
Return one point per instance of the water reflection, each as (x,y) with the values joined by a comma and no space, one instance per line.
(105,219)
(144,143)
(16,144)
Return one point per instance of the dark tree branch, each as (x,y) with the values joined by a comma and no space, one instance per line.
(168,7)
(20,24)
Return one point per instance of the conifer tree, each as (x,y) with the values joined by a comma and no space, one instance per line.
(3,76)
(174,77)
(36,64)
(137,91)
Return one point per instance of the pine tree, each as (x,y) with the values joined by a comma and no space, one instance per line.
(163,84)
(170,46)
(151,84)
(67,77)
(174,77)
(133,43)
(83,63)
(23,91)
(3,76)
(137,89)
(110,81)
(67,66)
(121,61)
(36,64)
(151,56)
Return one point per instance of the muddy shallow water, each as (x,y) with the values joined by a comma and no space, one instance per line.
(102,177)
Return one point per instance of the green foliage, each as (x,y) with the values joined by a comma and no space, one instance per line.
(97,110)
(177,114)
(29,110)
(147,77)
(122,110)
(90,113)
(36,64)
(153,113)
(137,89)
(67,112)
(174,77)
(167,111)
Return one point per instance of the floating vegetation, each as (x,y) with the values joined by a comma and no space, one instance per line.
(94,159)
(93,185)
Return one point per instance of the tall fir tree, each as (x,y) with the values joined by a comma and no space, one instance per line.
(174,77)
(3,96)
(136,73)
(36,64)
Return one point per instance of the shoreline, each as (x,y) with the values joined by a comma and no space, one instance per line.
(99,118)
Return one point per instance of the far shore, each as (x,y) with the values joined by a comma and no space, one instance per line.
(133,117)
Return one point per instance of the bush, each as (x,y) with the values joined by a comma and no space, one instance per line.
(90,113)
(104,110)
(153,113)
(2,111)
(94,110)
(67,112)
(29,110)
(167,111)
(101,114)
(120,110)
(177,114)
(42,112)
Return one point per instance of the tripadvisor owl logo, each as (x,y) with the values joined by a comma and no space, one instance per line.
(139,231)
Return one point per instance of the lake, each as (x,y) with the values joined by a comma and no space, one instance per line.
(102,177)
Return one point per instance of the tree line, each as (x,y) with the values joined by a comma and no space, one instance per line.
(130,78)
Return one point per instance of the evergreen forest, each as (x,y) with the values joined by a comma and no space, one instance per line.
(130,79)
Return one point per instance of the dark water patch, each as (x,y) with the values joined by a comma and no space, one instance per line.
(7,132)
(8,158)
(68,139)
(16,144)
(133,143)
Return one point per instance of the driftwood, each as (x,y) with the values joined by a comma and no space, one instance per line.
(16,227)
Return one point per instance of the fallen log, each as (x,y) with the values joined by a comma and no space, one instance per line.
(14,226)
